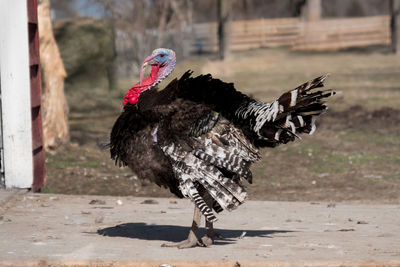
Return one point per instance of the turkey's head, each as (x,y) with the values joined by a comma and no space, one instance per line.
(162,62)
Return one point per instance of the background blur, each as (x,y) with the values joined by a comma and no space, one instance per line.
(265,48)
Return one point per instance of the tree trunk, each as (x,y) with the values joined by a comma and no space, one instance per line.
(224,8)
(54,103)
(395,25)
(312,10)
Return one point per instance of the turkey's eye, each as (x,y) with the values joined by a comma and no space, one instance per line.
(162,55)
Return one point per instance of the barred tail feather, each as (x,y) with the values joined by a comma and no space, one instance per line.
(302,105)
(227,148)
(201,204)
(194,172)
(221,193)
(187,187)
(232,164)
(293,113)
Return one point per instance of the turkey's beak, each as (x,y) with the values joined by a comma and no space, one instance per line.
(146,62)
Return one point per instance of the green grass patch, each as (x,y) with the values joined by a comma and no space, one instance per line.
(384,139)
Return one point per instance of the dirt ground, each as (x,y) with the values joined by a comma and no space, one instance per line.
(66,230)
(354,154)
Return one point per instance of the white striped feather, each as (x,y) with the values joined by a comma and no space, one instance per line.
(261,112)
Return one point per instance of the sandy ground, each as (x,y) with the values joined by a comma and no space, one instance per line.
(45,229)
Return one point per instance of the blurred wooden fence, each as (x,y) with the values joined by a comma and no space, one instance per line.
(327,34)
(343,33)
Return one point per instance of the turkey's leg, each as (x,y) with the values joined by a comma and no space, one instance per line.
(208,238)
(192,240)
(210,235)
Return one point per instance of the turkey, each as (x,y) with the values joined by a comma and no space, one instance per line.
(199,136)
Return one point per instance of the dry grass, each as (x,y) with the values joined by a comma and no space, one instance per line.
(354,155)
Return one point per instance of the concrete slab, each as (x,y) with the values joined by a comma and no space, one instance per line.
(42,229)
(7,194)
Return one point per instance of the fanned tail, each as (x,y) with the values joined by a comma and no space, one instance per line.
(293,113)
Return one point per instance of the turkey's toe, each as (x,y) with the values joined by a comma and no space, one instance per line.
(208,239)
(188,243)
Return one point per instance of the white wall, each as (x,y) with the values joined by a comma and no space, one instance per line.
(15,93)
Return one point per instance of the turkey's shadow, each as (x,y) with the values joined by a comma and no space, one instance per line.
(175,233)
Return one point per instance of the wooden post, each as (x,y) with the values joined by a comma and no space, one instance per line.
(395,25)
(312,10)
(39,170)
(310,15)
(224,8)
(16,94)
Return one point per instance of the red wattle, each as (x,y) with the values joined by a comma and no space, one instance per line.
(132,96)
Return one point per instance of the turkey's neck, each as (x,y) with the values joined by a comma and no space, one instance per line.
(149,80)
(132,95)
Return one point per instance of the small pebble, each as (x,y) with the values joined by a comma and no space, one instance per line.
(97,202)
(293,220)
(99,219)
(149,201)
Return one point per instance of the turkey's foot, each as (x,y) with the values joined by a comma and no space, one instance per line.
(210,235)
(188,243)
(192,240)
(208,239)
